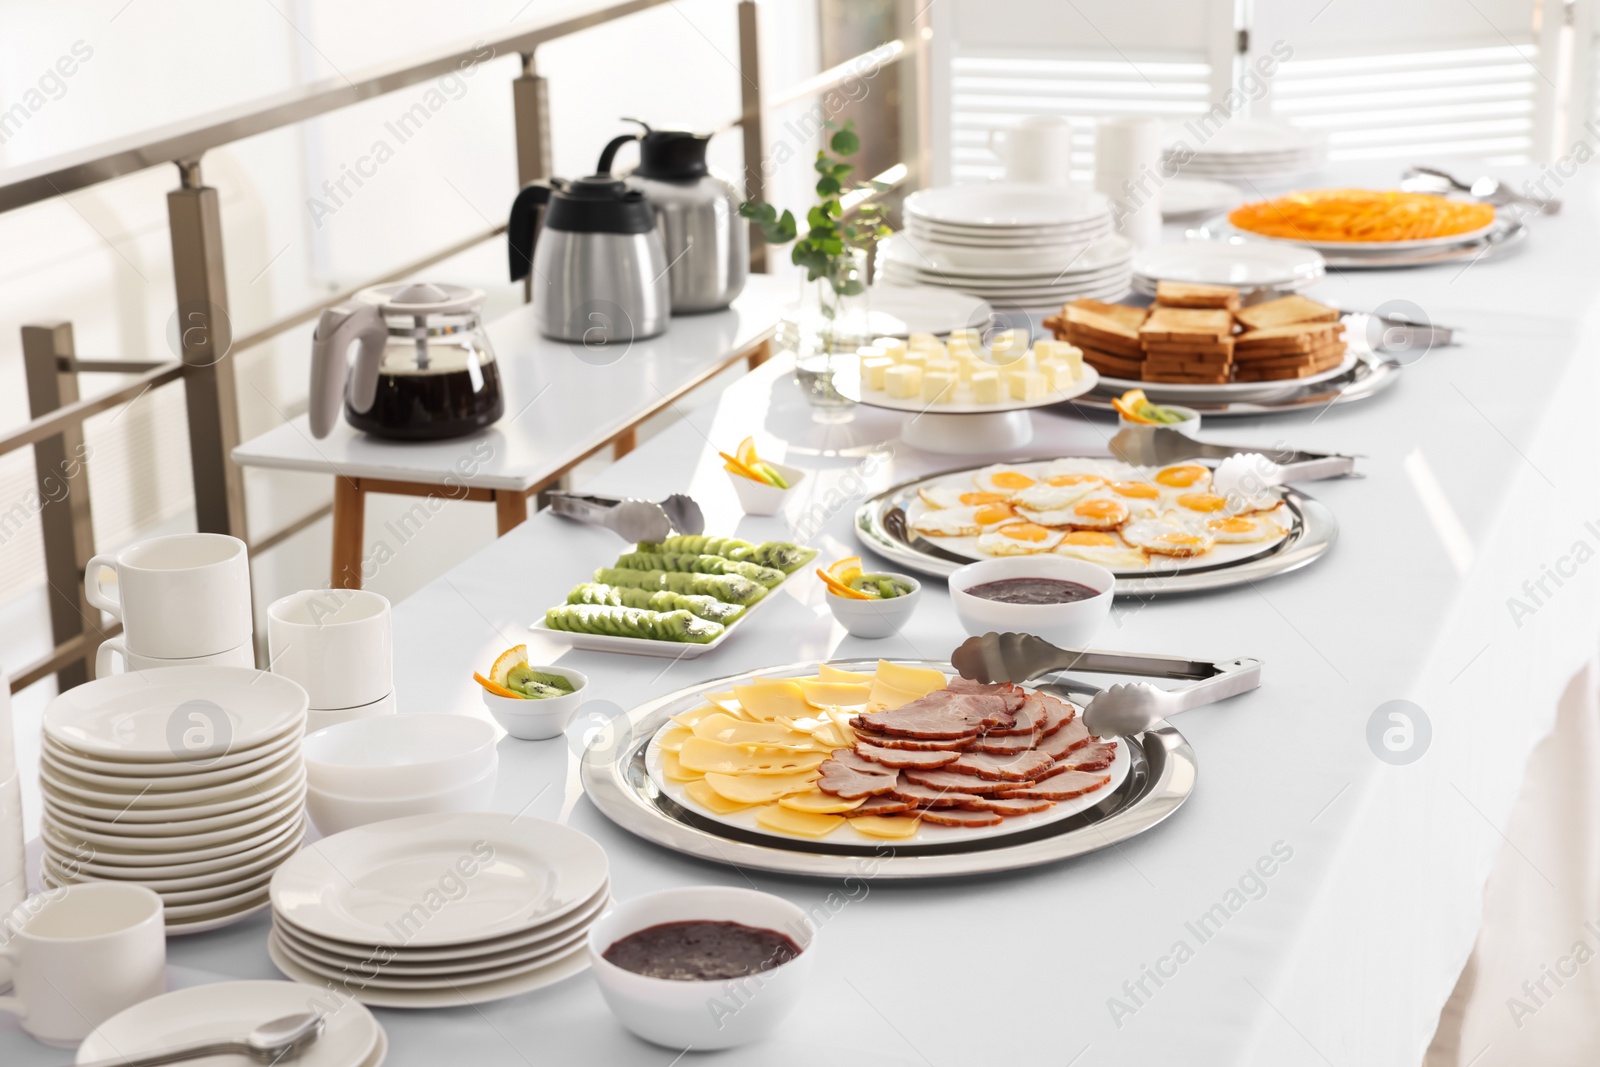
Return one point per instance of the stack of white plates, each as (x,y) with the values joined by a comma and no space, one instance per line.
(226,1011)
(1017,244)
(1243,150)
(187,780)
(439,910)
(1243,264)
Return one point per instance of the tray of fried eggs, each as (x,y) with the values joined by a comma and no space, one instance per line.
(1125,518)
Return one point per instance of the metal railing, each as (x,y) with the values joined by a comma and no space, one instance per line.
(194,220)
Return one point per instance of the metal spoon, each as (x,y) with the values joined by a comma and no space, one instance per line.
(1490,190)
(271,1042)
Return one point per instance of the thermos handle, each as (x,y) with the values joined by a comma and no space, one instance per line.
(330,361)
(522,229)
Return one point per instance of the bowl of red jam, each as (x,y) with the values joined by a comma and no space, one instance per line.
(1063,600)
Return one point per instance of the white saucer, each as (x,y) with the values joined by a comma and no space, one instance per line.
(1244,264)
(57,838)
(160,777)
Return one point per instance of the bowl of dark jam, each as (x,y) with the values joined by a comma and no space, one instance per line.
(1063,600)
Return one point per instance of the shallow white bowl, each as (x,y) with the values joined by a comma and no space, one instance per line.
(333,813)
(759,498)
(680,1015)
(1066,625)
(876,618)
(1188,427)
(539,720)
(398,755)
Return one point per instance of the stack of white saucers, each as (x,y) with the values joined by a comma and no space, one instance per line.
(1243,150)
(439,910)
(1011,243)
(187,780)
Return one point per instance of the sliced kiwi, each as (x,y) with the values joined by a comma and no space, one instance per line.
(536,685)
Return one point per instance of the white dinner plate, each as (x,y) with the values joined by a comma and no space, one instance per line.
(175,713)
(161,777)
(574,963)
(898,247)
(1242,137)
(1184,197)
(244,885)
(68,817)
(115,869)
(229,874)
(480,966)
(219,912)
(1025,240)
(354,885)
(1245,264)
(257,787)
(206,923)
(456,953)
(225,1010)
(1006,204)
(896,310)
(73,850)
(1227,392)
(388,978)
(980,285)
(126,813)
(1071,232)
(1102,254)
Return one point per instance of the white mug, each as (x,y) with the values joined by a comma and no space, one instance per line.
(180,596)
(1037,149)
(12,893)
(338,644)
(82,953)
(1127,161)
(13,843)
(243,656)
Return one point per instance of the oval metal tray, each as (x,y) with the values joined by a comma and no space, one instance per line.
(615,778)
(1503,235)
(1370,375)
(880,525)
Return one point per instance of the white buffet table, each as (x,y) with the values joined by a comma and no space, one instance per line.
(1479,473)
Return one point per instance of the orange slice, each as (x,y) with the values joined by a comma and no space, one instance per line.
(746,453)
(739,467)
(497,690)
(837,589)
(516,656)
(846,570)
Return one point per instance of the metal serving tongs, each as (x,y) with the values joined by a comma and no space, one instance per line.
(1124,709)
(632,520)
(1157,446)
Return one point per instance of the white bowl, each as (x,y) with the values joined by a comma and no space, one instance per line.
(1188,426)
(876,618)
(538,720)
(759,498)
(398,755)
(1071,625)
(703,1015)
(334,813)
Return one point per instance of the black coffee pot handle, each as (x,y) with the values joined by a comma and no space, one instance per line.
(522,229)
(609,154)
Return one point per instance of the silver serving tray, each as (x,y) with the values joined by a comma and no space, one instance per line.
(1370,375)
(880,525)
(1504,234)
(613,774)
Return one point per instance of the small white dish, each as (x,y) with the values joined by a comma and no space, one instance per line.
(759,498)
(876,618)
(1189,425)
(1244,264)
(322,718)
(333,813)
(1071,625)
(399,755)
(684,1014)
(539,720)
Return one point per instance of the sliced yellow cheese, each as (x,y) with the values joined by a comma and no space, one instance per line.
(701,793)
(832,736)
(836,694)
(676,771)
(673,739)
(728,702)
(801,823)
(825,673)
(885,696)
(893,827)
(759,788)
(819,803)
(689,718)
(918,680)
(803,725)
(699,754)
(731,731)
(764,699)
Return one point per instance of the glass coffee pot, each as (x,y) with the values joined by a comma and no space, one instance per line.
(424,370)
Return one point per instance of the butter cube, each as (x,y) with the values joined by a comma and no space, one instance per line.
(1004,342)
(986,387)
(1059,376)
(873,369)
(941,366)
(1028,385)
(903,380)
(968,336)
(892,347)
(939,387)
(923,340)
(1073,355)
(915,357)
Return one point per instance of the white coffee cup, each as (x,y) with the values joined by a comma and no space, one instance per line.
(82,953)
(1037,149)
(1127,160)
(13,843)
(180,596)
(338,644)
(243,656)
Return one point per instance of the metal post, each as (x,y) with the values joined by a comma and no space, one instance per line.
(204,336)
(530,109)
(60,465)
(755,186)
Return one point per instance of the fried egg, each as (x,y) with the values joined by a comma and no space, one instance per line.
(1047,497)
(1242,529)
(953,496)
(1201,503)
(962,521)
(1190,477)
(1097,513)
(1019,539)
(1168,535)
(1105,549)
(1140,498)
(1007,481)
(1075,472)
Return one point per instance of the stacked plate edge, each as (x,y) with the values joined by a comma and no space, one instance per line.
(439,910)
(187,780)
(1242,149)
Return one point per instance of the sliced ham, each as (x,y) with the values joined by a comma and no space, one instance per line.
(1029,719)
(962,817)
(927,797)
(881,805)
(1062,786)
(1012,806)
(1095,756)
(1003,745)
(850,777)
(1057,713)
(1073,735)
(947,714)
(902,757)
(955,782)
(912,743)
(1021,767)
(848,757)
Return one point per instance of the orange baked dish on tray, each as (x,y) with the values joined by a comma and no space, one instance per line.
(1365,215)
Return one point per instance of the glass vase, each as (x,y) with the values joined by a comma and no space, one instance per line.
(830,324)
